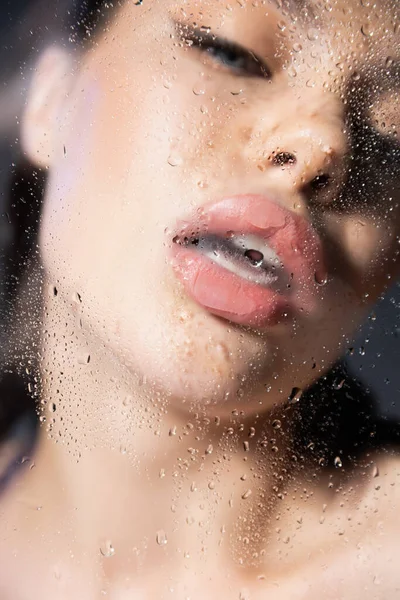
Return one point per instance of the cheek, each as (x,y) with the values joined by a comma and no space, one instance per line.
(361,241)
(85,192)
(66,182)
(366,246)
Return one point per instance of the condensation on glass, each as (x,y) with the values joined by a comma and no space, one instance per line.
(198,299)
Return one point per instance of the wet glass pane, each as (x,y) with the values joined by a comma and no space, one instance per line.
(199,301)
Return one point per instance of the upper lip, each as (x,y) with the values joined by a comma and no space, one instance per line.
(290,235)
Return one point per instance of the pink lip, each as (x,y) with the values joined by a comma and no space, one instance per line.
(227,295)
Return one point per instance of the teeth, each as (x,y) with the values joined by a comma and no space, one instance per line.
(247,256)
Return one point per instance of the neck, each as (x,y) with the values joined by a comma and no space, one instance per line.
(140,472)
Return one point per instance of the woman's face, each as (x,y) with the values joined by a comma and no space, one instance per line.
(226,210)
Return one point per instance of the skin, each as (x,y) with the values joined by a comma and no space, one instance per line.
(144,452)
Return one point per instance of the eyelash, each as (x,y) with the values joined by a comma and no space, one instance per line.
(226,53)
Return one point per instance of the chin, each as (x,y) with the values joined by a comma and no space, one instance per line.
(208,370)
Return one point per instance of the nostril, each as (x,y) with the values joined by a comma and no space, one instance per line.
(320,182)
(283,158)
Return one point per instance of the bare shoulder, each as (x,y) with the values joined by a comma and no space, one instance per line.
(382,489)
(353,536)
(365,562)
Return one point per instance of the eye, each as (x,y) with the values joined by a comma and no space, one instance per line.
(238,59)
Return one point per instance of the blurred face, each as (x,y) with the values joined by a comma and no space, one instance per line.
(222,190)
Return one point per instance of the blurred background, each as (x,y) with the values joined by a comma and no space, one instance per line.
(26,26)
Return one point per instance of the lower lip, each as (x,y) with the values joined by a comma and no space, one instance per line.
(224,293)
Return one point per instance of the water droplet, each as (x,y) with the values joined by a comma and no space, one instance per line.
(161,538)
(172,431)
(209,449)
(367,30)
(255,257)
(199,89)
(202,184)
(77,298)
(295,395)
(246,446)
(84,359)
(175,160)
(107,550)
(292,72)
(236,91)
(276,424)
(320,278)
(375,471)
(142,380)
(297,47)
(388,62)
(337,462)
(246,494)
(338,384)
(211,485)
(312,34)
(127,400)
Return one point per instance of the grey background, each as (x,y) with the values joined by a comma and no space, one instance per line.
(379,367)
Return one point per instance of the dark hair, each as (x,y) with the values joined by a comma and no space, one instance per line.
(86,16)
(335,419)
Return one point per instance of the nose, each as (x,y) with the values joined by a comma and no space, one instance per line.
(300,142)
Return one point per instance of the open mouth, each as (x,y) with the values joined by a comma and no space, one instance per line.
(247,256)
(249,260)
